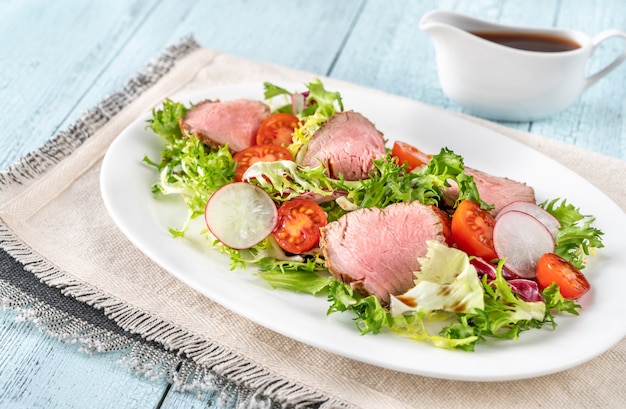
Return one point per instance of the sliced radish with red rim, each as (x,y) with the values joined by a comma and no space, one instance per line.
(298,102)
(240,215)
(522,240)
(536,211)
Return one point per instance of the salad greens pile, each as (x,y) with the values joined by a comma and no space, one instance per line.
(491,309)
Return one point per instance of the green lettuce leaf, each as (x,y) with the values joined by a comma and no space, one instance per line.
(389,182)
(370,315)
(416,326)
(285,180)
(164,121)
(296,281)
(576,238)
(320,105)
(186,166)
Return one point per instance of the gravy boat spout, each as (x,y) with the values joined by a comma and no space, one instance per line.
(511,80)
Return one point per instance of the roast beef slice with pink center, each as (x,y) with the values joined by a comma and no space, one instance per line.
(494,190)
(376,250)
(346,144)
(216,123)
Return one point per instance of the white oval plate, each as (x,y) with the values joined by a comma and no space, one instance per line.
(126,182)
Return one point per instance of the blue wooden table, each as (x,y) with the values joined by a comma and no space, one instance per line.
(58,59)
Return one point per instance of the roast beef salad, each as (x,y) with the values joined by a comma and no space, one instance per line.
(406,241)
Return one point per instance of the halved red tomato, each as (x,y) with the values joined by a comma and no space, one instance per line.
(552,268)
(298,227)
(408,153)
(472,230)
(277,129)
(258,153)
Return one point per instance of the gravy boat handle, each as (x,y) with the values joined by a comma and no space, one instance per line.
(617,61)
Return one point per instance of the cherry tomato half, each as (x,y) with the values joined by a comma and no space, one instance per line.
(298,227)
(276,129)
(472,230)
(258,153)
(552,268)
(408,153)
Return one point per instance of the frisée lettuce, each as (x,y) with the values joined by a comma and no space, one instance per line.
(314,107)
(450,306)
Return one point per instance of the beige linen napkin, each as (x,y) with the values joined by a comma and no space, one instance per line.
(61,219)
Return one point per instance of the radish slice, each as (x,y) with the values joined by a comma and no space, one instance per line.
(298,102)
(521,239)
(240,215)
(551,222)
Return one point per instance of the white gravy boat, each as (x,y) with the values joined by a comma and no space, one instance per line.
(501,82)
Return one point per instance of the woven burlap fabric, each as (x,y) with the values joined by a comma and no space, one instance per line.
(60,219)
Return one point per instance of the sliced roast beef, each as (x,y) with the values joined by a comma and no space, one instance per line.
(216,123)
(346,145)
(376,250)
(494,190)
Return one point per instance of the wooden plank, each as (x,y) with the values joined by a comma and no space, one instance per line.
(303,35)
(300,34)
(204,400)
(386,50)
(50,56)
(37,370)
(44,73)
(597,121)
